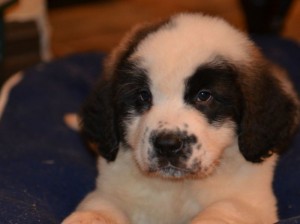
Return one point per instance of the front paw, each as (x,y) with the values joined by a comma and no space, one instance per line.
(90,217)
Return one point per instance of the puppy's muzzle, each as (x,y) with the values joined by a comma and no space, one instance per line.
(171,152)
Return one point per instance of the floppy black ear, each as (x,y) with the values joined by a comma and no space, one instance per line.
(270,115)
(98,121)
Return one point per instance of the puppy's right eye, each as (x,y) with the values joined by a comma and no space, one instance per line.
(203,96)
(145,96)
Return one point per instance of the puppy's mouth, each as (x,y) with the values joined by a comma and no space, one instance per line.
(168,170)
(172,171)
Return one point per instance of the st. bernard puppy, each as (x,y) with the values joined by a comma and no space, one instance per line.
(188,119)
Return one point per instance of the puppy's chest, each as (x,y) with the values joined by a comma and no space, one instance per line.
(149,200)
(162,205)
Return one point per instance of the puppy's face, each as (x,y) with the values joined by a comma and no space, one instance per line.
(179,122)
(182,104)
(181,94)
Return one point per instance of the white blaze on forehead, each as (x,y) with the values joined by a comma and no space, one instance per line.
(173,53)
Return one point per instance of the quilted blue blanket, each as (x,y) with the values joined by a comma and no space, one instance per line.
(45,169)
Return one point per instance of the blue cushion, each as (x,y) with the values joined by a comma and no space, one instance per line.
(45,169)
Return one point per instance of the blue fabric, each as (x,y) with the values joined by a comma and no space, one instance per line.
(294,220)
(45,169)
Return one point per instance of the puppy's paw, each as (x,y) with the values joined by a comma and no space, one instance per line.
(90,217)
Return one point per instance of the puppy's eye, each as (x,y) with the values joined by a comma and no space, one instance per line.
(203,96)
(145,96)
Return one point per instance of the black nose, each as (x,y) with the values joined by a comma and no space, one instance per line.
(168,144)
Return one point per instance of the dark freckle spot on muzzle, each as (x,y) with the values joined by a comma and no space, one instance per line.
(192,139)
(160,126)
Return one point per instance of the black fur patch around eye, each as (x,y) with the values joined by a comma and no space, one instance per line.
(126,87)
(220,79)
(132,81)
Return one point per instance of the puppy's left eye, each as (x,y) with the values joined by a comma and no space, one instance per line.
(203,96)
(145,96)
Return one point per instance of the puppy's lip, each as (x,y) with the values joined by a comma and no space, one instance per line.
(170,170)
(171,167)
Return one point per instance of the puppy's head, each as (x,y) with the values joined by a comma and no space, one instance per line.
(179,93)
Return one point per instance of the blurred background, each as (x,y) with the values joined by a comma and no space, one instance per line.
(32,31)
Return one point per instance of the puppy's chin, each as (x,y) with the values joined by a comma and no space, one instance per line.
(172,172)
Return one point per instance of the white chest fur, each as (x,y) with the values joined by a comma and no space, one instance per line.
(148,200)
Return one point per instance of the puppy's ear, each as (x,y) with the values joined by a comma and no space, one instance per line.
(98,121)
(270,116)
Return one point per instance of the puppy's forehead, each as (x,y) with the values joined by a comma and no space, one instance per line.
(186,42)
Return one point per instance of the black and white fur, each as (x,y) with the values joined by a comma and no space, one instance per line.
(188,119)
